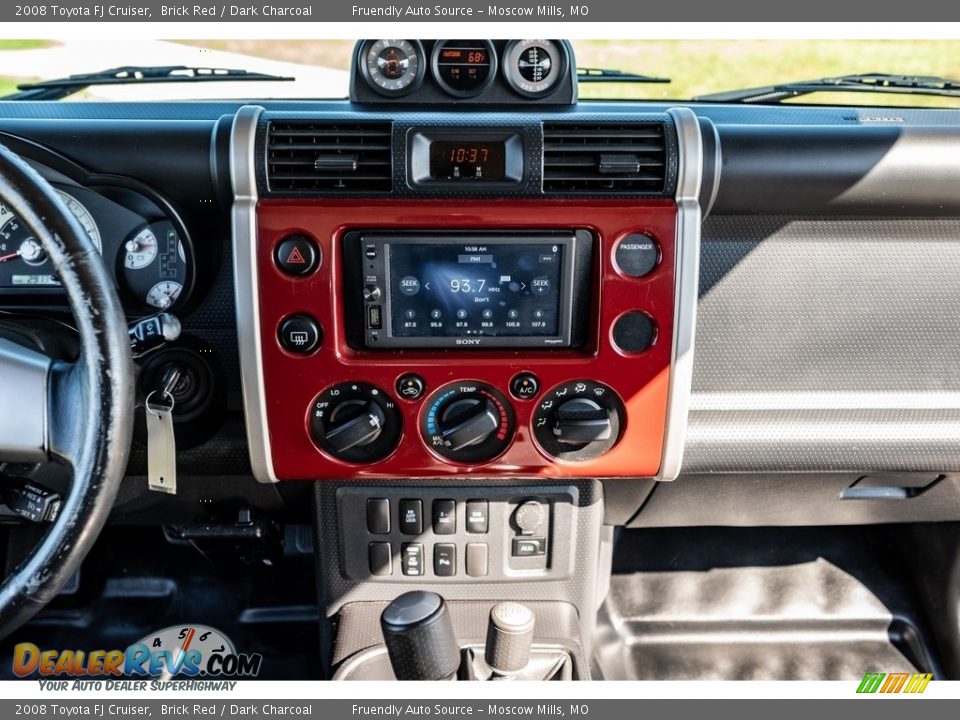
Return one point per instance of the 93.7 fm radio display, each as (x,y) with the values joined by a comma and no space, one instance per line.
(475,290)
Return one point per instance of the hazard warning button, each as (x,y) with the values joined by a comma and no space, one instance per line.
(297,255)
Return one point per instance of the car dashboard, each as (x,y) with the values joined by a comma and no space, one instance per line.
(471,323)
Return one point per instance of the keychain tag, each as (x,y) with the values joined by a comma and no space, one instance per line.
(161,447)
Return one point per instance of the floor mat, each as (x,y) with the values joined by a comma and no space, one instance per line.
(758,604)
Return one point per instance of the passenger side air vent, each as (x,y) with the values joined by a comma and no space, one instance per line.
(604,158)
(321,157)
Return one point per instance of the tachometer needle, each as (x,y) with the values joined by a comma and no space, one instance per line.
(9,256)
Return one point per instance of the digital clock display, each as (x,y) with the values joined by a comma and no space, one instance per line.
(476,161)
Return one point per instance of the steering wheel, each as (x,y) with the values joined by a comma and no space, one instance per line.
(80,413)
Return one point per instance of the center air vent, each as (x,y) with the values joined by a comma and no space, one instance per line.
(325,157)
(604,158)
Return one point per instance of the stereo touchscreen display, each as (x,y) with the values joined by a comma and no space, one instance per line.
(433,289)
(475,289)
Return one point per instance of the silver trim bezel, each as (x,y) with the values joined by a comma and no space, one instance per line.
(243,178)
(686,285)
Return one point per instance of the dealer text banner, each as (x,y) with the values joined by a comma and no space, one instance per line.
(406,709)
(597,11)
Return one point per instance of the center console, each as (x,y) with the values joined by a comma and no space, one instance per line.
(457,328)
(460,326)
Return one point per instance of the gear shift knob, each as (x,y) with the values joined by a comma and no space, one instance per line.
(419,637)
(509,635)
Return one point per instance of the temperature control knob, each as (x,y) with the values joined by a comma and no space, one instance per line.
(578,421)
(469,422)
(355,422)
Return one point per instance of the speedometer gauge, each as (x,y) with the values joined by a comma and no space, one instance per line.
(392,67)
(23,261)
(83,215)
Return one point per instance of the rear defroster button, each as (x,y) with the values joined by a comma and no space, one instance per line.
(300,334)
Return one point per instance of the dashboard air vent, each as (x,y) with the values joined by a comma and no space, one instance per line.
(324,157)
(604,158)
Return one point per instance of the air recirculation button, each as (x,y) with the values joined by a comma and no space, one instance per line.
(578,421)
(355,422)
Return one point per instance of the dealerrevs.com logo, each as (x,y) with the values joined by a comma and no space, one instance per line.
(179,650)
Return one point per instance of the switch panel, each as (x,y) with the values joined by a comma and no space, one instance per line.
(509,534)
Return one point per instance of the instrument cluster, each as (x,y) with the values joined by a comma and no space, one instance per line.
(140,236)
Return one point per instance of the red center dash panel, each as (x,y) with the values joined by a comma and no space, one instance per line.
(596,409)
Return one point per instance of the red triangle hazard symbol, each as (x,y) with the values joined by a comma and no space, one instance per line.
(296,257)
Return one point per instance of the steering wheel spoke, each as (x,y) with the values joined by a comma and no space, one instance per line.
(25,397)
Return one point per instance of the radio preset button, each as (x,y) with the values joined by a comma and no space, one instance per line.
(636,255)
(300,334)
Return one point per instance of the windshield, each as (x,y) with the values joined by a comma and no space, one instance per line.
(696,67)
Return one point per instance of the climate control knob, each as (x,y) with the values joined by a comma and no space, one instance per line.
(578,421)
(355,422)
(468,422)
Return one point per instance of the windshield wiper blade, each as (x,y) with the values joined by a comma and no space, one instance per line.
(864,82)
(134,75)
(599,75)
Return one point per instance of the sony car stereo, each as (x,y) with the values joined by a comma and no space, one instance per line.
(468,290)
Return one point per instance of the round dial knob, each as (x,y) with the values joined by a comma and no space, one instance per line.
(469,422)
(578,421)
(355,422)
(529,517)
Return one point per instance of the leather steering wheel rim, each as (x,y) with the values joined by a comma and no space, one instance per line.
(90,403)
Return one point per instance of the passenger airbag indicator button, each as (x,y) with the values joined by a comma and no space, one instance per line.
(636,255)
